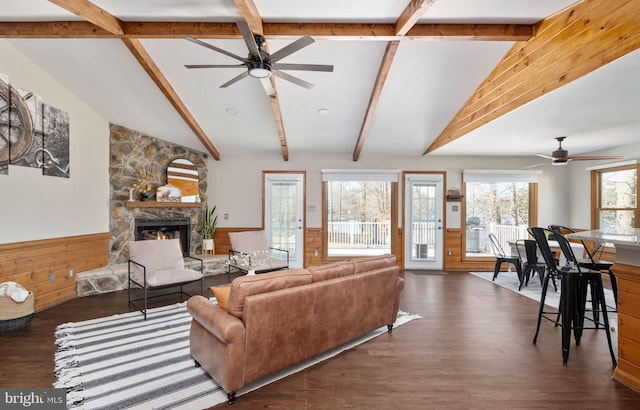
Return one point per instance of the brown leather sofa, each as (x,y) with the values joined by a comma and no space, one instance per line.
(277,319)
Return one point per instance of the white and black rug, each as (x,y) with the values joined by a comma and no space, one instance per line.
(123,362)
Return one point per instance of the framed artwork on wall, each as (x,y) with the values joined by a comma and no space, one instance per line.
(32,134)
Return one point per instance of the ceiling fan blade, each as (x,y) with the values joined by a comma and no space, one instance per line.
(544,156)
(292,79)
(249,40)
(303,67)
(214,48)
(268,87)
(291,48)
(537,165)
(235,79)
(595,158)
(215,66)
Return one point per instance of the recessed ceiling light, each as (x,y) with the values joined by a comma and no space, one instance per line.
(231,111)
(323,111)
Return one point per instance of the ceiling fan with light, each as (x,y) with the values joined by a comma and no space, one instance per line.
(259,63)
(561,156)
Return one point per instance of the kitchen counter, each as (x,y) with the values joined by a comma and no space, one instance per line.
(627,271)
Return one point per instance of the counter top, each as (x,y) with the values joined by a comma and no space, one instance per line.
(622,237)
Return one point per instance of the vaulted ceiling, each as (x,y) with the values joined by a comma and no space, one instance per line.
(419,77)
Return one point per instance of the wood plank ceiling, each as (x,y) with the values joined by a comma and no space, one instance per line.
(545,56)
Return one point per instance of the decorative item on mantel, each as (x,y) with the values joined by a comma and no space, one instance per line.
(143,186)
(208,225)
(168,193)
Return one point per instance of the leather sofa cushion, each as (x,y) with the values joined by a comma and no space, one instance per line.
(267,282)
(331,270)
(372,263)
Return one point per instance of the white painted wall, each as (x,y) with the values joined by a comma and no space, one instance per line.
(235,182)
(34,206)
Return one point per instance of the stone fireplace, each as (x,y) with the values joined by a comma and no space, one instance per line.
(164,228)
(129,151)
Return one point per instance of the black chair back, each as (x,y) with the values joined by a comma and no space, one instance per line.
(531,250)
(567,251)
(540,235)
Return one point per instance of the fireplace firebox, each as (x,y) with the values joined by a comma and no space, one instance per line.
(164,228)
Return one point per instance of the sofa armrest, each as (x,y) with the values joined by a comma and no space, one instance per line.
(224,326)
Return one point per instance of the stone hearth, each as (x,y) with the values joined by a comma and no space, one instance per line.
(114,277)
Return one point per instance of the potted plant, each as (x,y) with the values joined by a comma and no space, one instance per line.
(208,225)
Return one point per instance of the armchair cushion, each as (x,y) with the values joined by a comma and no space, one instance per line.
(249,242)
(251,250)
(163,260)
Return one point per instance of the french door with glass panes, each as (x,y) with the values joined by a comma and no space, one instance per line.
(284,213)
(423,221)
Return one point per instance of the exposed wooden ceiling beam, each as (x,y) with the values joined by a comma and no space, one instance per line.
(387,59)
(160,80)
(407,19)
(567,46)
(109,23)
(319,31)
(93,14)
(251,15)
(277,116)
(411,15)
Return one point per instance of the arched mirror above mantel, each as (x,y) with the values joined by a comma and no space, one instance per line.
(183,174)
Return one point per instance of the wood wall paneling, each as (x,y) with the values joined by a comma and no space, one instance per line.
(31,264)
(628,371)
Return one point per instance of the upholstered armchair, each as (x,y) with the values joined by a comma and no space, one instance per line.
(159,265)
(250,251)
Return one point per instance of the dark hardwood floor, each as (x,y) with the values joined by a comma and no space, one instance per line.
(471,349)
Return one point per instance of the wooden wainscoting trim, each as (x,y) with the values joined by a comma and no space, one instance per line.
(32,264)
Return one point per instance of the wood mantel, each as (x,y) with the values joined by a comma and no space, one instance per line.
(157,204)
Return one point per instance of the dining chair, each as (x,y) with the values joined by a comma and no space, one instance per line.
(502,257)
(530,262)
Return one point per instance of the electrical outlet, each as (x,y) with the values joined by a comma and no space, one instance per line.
(70,273)
(52,277)
(226,216)
(449,253)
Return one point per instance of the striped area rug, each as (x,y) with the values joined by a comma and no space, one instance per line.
(123,362)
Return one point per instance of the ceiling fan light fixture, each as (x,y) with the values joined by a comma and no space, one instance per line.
(259,70)
(559,162)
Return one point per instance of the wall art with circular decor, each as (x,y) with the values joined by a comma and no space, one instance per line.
(32,133)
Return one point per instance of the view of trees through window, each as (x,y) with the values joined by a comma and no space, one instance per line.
(501,208)
(359,215)
(618,198)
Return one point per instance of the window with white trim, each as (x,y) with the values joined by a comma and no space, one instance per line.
(358,209)
(499,202)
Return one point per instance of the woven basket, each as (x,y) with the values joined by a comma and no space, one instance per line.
(14,315)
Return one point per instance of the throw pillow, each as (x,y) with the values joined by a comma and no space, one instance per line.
(222,295)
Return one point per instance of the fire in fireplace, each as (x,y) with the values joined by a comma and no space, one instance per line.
(164,228)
